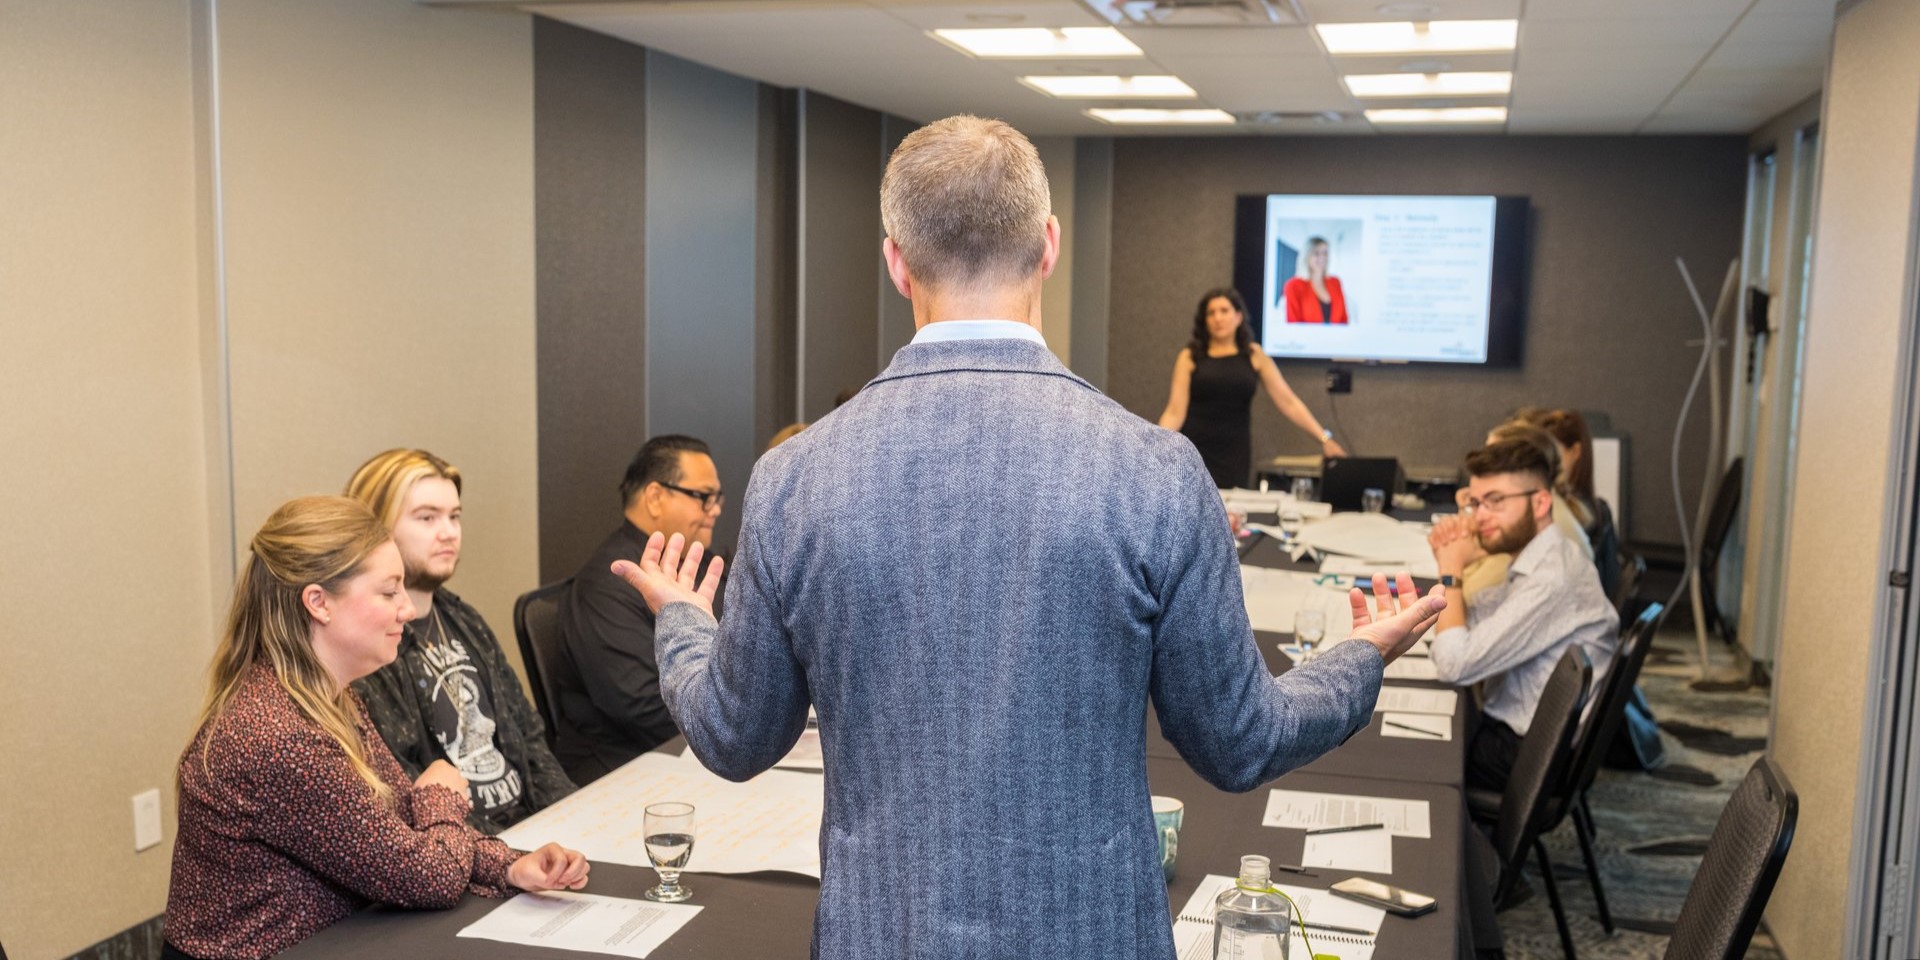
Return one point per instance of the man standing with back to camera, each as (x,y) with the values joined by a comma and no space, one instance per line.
(978,570)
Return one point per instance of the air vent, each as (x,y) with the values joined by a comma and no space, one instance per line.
(1271,118)
(1195,13)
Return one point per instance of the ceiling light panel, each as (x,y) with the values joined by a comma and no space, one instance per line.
(1438,36)
(1141,115)
(1440,115)
(1111,88)
(1036,43)
(1429,84)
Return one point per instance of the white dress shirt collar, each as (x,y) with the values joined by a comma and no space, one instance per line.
(944,330)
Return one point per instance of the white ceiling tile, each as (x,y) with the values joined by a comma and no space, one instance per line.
(1439,63)
(1629,9)
(1572,122)
(1555,35)
(1354,11)
(1818,8)
(962,16)
(1814,29)
(1226,41)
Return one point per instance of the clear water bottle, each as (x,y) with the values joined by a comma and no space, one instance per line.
(1249,921)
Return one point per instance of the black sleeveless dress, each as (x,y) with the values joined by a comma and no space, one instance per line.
(1220,415)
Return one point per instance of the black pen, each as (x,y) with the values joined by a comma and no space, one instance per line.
(1290,868)
(1352,829)
(1330,928)
(1406,726)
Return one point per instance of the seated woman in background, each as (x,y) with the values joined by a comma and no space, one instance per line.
(1491,570)
(293,813)
(1569,429)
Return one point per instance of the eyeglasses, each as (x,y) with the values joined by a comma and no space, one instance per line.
(1493,501)
(709,500)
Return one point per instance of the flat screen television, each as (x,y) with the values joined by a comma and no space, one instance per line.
(1406,279)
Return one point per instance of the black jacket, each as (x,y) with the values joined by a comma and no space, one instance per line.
(518,732)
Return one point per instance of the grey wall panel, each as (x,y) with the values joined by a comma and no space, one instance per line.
(839,230)
(776,352)
(703,131)
(896,311)
(1092,257)
(1607,316)
(589,214)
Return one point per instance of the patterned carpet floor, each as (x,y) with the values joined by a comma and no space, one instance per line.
(1651,828)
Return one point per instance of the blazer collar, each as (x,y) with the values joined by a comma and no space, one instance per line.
(996,355)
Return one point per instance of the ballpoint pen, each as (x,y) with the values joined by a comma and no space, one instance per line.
(1355,828)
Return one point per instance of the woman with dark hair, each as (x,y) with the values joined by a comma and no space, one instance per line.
(1214,380)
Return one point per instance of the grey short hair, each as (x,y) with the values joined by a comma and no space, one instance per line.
(965,200)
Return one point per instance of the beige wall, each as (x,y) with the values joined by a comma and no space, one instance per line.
(1862,258)
(375,170)
(378,188)
(104,583)
(1056,295)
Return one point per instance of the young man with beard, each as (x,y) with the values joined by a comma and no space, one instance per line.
(450,693)
(1516,631)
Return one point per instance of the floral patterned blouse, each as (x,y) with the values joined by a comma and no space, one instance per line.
(279,837)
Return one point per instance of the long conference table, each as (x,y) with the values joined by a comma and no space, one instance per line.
(771,914)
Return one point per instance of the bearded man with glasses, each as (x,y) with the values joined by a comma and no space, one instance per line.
(608,707)
(1515,631)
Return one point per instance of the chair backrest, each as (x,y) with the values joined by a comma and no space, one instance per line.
(1541,764)
(1633,569)
(1720,515)
(1604,537)
(536,624)
(1610,701)
(1736,876)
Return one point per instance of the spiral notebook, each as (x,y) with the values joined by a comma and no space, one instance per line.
(1193,929)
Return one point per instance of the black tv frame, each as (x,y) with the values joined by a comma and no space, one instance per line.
(1507,297)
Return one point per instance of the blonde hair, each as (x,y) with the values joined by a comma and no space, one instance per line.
(965,199)
(382,482)
(786,433)
(311,540)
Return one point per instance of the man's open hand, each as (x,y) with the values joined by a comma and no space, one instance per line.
(1402,617)
(663,577)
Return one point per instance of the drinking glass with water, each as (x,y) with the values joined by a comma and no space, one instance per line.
(669,833)
(1303,489)
(1309,628)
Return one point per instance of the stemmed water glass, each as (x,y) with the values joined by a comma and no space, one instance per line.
(669,833)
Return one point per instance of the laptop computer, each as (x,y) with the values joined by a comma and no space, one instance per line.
(1344,479)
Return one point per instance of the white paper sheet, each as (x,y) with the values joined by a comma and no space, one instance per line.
(564,920)
(1367,851)
(1425,726)
(1300,810)
(1412,668)
(1419,566)
(1368,536)
(1193,930)
(771,822)
(1277,501)
(1274,597)
(1418,700)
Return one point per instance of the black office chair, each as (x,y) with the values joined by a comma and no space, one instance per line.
(1720,518)
(1626,592)
(1742,862)
(536,624)
(1589,750)
(1604,537)
(1545,755)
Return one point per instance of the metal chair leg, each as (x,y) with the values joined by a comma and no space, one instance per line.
(1583,829)
(1553,898)
(1592,830)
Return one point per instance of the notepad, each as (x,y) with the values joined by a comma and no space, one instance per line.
(564,920)
(1300,810)
(1367,851)
(1418,700)
(1193,929)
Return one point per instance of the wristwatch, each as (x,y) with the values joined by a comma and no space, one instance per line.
(1449,580)
(1325,434)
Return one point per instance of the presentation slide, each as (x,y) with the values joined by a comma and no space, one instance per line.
(1378,277)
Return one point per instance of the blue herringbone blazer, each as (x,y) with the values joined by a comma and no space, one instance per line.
(978,571)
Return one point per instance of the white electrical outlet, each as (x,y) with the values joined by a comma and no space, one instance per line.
(146,820)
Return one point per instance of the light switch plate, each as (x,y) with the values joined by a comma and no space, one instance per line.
(146,820)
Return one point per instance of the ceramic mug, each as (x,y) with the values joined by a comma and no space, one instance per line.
(1167,814)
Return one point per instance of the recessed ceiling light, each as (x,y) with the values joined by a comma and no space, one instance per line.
(1429,84)
(1037,43)
(1110,87)
(1408,9)
(1443,115)
(1436,36)
(1425,66)
(1145,115)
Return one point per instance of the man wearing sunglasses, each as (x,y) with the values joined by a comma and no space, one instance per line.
(607,706)
(1516,631)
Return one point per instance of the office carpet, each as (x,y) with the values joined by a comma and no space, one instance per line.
(1651,829)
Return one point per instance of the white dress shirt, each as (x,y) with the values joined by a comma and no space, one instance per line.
(1517,631)
(941,330)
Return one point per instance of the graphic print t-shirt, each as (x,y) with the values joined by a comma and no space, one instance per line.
(460,713)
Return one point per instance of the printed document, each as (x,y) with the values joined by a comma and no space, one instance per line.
(1418,700)
(564,920)
(1299,810)
(1368,851)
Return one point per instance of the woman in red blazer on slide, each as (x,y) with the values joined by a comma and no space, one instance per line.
(1315,297)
